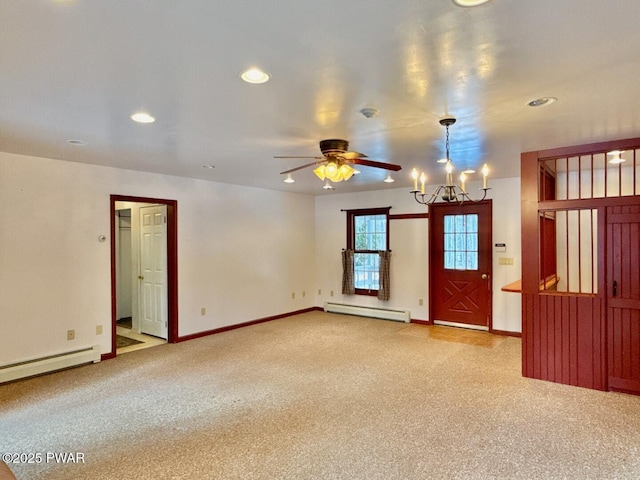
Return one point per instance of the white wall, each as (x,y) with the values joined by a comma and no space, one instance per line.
(241,252)
(410,257)
(407,240)
(507,310)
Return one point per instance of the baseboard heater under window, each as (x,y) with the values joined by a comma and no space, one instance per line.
(383,313)
(48,364)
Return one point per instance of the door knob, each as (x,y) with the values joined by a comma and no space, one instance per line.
(141,277)
(485,276)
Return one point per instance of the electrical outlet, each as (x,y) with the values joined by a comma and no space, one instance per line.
(98,329)
(203,311)
(293,295)
(420,302)
(304,294)
(331,293)
(71,334)
(505,261)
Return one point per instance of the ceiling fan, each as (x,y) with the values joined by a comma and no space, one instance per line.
(336,160)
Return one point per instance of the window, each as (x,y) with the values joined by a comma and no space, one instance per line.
(569,251)
(461,242)
(367,235)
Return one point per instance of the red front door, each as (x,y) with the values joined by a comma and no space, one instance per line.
(623,297)
(460,264)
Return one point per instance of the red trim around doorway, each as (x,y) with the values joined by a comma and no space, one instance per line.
(172,265)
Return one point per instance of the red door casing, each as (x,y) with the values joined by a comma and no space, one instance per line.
(460,264)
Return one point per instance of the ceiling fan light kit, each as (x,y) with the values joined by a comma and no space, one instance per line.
(449,191)
(334,171)
(336,162)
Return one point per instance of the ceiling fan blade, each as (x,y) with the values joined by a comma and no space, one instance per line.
(351,155)
(374,164)
(297,156)
(301,167)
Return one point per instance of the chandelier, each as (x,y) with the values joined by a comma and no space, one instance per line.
(449,192)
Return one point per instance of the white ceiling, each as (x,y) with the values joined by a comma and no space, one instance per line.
(77,69)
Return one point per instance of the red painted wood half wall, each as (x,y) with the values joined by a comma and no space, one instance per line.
(564,335)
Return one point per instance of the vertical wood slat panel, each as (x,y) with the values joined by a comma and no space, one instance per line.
(564,340)
(625,333)
(635,344)
(573,340)
(585,346)
(543,343)
(558,336)
(537,342)
(527,336)
(566,343)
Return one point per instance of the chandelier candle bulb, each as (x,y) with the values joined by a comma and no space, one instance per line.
(449,170)
(423,180)
(485,172)
(462,179)
(414,175)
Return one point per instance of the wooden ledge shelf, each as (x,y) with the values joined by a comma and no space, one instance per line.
(548,284)
(515,287)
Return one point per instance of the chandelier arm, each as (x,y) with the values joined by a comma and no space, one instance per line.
(466,194)
(432,198)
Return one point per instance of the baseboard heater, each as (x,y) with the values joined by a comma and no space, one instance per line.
(373,312)
(48,364)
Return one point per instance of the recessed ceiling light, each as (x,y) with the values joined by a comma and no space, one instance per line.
(328,186)
(254,75)
(542,101)
(389,179)
(469,3)
(442,160)
(469,171)
(77,143)
(289,179)
(208,166)
(142,117)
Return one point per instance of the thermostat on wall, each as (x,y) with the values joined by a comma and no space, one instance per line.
(501,247)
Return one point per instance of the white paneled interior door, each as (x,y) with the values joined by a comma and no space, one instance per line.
(153,271)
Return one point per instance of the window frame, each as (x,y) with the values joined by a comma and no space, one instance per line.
(351,240)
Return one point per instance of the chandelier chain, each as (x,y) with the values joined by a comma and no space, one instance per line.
(447,143)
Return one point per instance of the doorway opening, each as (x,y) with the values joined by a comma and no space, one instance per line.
(143,273)
(460,259)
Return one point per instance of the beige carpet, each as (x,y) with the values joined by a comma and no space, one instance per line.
(320,396)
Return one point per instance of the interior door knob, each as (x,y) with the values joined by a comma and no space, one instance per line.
(141,277)
(485,276)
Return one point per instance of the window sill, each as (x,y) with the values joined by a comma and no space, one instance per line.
(369,293)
